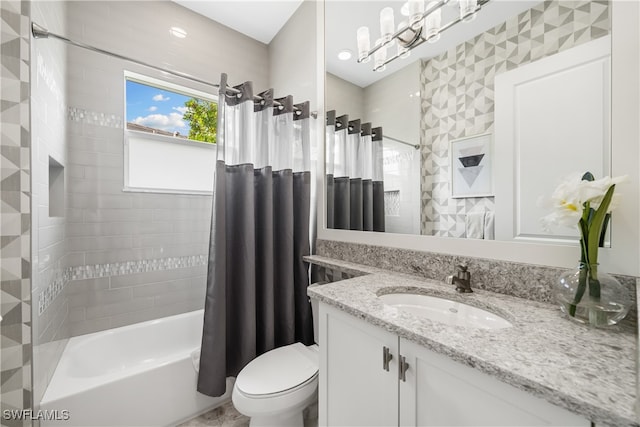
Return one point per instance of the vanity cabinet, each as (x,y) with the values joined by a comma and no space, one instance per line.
(371,377)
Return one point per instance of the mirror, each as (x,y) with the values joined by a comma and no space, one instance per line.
(506,99)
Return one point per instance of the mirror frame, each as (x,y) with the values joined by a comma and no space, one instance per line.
(624,256)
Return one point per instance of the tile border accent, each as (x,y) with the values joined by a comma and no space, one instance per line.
(76,114)
(48,295)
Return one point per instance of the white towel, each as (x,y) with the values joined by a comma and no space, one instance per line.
(474,222)
(489,226)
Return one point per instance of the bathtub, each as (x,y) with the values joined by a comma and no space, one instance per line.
(138,375)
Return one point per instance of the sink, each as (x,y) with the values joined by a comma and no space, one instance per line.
(445,311)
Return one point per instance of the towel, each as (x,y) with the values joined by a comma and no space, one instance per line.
(474,223)
(489,225)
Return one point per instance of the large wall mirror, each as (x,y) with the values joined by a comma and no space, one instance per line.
(480,124)
(476,126)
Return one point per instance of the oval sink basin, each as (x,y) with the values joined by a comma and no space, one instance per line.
(445,311)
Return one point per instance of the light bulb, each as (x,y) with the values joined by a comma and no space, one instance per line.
(416,9)
(468,10)
(364,44)
(380,56)
(432,24)
(386,24)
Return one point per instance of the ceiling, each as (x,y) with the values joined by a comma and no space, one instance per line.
(262,19)
(258,19)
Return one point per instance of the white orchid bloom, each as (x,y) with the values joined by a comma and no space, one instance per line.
(600,187)
(568,200)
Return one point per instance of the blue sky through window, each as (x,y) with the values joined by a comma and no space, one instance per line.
(156,108)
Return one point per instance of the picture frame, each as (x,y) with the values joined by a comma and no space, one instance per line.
(471,166)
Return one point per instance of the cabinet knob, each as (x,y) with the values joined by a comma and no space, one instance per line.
(386,358)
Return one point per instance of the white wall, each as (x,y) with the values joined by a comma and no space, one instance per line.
(344,97)
(292,58)
(394,104)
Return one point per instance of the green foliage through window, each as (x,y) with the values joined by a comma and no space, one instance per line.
(203,119)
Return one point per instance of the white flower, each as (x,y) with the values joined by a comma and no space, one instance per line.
(600,188)
(567,202)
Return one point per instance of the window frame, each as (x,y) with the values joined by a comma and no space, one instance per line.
(158,138)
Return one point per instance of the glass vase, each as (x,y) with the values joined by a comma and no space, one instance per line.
(593,297)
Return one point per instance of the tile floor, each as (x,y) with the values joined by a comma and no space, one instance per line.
(227,416)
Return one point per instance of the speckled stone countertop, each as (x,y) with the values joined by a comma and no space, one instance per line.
(591,372)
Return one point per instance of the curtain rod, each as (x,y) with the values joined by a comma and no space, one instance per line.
(39,32)
(416,146)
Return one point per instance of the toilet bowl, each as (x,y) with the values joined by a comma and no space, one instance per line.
(275,388)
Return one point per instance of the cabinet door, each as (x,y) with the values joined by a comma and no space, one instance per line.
(354,388)
(441,392)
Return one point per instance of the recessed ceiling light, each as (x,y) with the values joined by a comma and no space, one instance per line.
(345,55)
(177,32)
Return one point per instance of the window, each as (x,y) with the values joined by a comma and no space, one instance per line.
(169,138)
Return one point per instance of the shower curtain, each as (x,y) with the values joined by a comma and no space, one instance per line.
(355,182)
(256,296)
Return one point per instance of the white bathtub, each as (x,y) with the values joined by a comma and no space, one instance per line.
(137,375)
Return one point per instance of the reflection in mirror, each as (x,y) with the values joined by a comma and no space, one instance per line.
(533,76)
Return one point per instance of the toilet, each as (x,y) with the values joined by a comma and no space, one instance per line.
(275,388)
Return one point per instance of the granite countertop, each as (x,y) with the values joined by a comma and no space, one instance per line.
(591,372)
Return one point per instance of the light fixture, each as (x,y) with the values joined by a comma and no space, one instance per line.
(424,24)
(363,44)
(433,24)
(380,55)
(345,55)
(468,10)
(178,32)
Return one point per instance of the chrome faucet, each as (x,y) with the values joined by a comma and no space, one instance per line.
(462,280)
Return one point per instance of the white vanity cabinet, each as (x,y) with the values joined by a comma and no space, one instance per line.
(356,389)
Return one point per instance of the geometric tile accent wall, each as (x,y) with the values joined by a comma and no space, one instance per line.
(15,223)
(458,94)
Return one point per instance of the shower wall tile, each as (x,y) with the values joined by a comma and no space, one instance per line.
(49,136)
(458,93)
(106,228)
(117,300)
(15,205)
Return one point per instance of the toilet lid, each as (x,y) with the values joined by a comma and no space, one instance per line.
(278,370)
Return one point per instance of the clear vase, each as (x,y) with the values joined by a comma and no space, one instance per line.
(592,297)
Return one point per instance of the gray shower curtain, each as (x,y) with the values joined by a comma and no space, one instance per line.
(256,296)
(354,176)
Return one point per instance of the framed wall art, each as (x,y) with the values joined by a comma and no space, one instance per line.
(470,165)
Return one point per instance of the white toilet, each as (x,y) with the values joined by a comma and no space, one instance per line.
(275,388)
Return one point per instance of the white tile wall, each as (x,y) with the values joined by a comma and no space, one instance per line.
(48,119)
